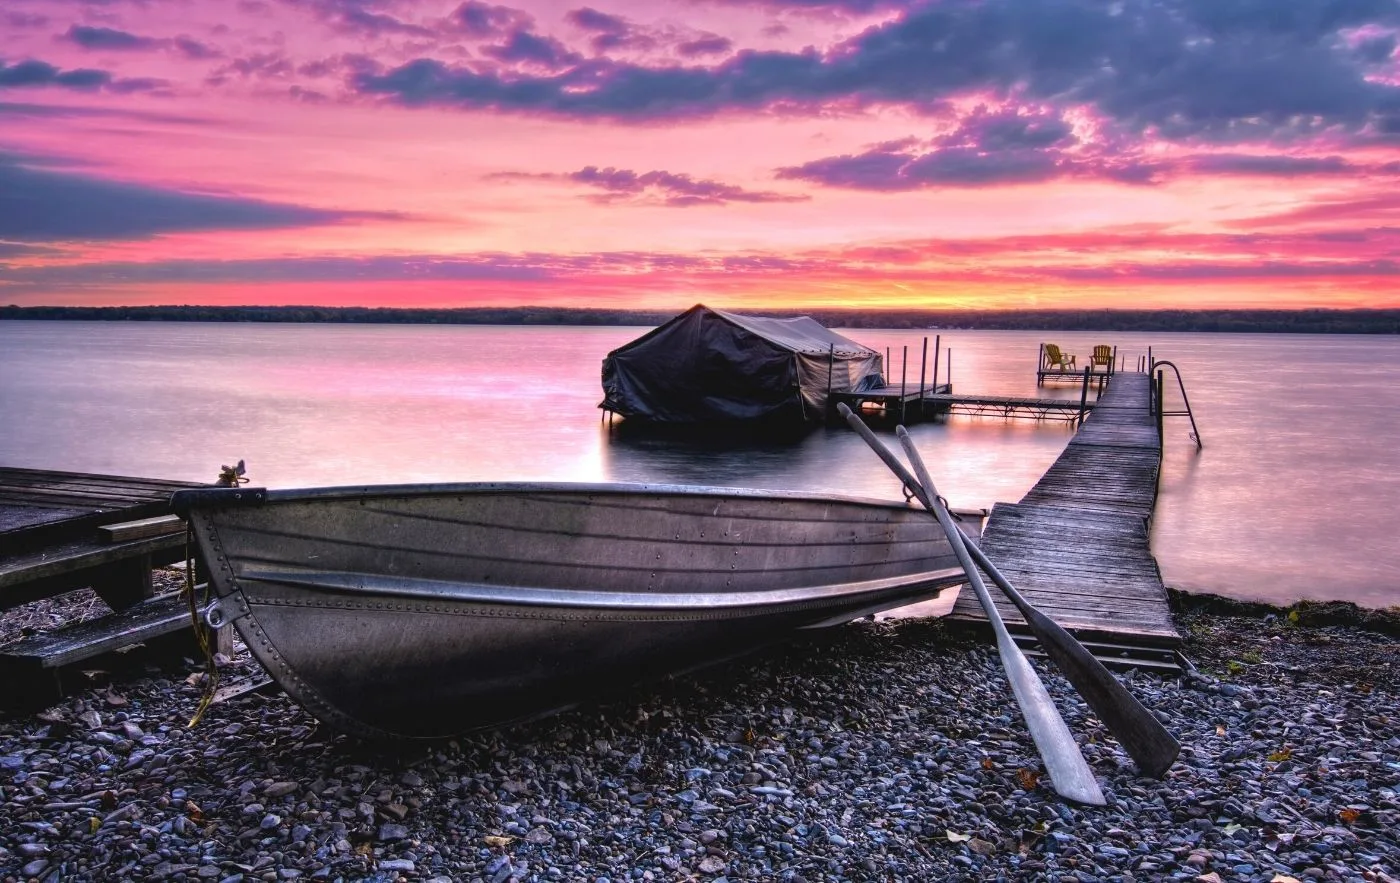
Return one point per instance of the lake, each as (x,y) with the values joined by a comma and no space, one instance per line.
(1294,494)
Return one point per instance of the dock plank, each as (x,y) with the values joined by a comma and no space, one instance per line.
(1078,544)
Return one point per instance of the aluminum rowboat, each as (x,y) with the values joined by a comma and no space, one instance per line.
(430,610)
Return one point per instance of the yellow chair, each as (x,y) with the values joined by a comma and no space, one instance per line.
(1103,355)
(1056,359)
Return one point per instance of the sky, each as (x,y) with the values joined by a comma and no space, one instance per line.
(748,154)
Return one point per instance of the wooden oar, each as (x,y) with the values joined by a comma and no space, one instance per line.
(1069,774)
(1149,744)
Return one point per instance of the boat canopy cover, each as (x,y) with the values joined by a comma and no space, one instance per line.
(710,366)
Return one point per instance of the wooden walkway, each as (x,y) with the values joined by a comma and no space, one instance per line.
(1077,545)
(1008,407)
(904,404)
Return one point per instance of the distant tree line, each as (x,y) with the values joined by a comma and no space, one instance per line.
(1312,321)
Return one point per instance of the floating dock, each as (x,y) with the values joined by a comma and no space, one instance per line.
(1077,544)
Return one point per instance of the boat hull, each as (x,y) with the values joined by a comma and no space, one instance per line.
(426,611)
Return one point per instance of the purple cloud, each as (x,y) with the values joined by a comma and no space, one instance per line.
(671,189)
(109,39)
(43,204)
(477,19)
(523,47)
(41,73)
(708,45)
(1180,68)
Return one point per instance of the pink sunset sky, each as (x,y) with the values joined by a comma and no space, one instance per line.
(793,153)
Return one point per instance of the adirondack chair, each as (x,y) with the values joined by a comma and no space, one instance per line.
(1056,359)
(1103,355)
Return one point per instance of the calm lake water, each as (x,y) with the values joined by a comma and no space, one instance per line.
(1294,494)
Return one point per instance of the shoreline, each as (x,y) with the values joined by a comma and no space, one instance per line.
(887,750)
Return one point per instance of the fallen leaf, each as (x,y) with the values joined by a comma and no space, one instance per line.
(497,840)
(1027,778)
(1349,815)
(93,824)
(1284,753)
(109,800)
(1219,729)
(193,811)
(115,699)
(955,837)
(987,763)
(1232,828)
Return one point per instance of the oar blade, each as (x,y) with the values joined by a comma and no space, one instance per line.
(1070,775)
(1152,748)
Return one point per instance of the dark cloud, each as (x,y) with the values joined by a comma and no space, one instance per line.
(611,31)
(194,50)
(1279,166)
(477,19)
(41,73)
(363,21)
(591,19)
(110,39)
(668,188)
(47,205)
(1250,70)
(261,66)
(523,47)
(707,45)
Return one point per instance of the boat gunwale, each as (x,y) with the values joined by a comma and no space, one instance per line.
(400,587)
(218,497)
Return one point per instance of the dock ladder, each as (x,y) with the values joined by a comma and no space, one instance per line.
(1158,403)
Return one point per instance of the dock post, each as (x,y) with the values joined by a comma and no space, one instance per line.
(937,341)
(903,382)
(1084,393)
(950,369)
(830,366)
(1040,366)
(1160,405)
(1113,365)
(923,370)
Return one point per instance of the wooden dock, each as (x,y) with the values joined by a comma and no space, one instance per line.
(1077,544)
(1009,407)
(902,404)
(61,531)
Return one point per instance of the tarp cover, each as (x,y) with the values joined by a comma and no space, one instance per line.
(709,366)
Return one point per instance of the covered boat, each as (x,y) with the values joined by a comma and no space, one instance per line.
(430,610)
(710,366)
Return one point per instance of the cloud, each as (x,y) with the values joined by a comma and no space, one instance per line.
(477,19)
(41,73)
(109,39)
(1011,145)
(26,19)
(39,204)
(611,31)
(711,44)
(521,46)
(69,111)
(1178,68)
(667,188)
(1275,166)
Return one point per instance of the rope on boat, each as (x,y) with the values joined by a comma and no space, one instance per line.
(201,634)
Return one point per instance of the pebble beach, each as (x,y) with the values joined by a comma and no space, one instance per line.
(887,750)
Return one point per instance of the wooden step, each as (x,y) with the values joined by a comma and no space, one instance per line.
(37,669)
